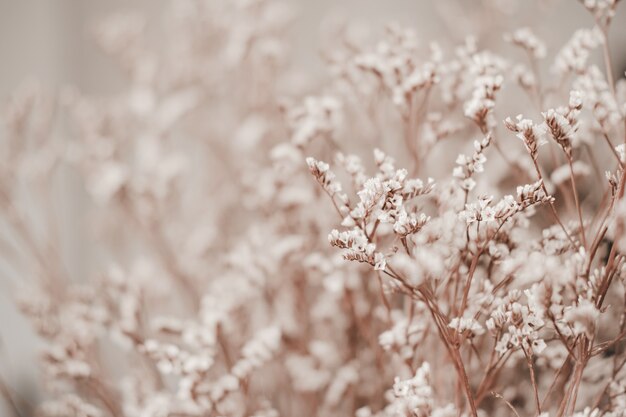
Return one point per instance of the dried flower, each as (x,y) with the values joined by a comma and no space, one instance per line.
(526,39)
(205,287)
(531,134)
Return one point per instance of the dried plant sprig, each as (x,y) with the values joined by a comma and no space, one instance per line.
(574,55)
(321,171)
(467,166)
(562,122)
(480,107)
(526,39)
(531,134)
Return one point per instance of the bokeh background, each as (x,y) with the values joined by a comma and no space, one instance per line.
(50,41)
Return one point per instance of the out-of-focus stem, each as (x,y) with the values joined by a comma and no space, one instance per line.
(578,208)
(533,381)
(552,208)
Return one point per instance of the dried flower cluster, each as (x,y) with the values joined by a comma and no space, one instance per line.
(252,247)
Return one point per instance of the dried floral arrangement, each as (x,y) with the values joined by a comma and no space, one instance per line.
(255,249)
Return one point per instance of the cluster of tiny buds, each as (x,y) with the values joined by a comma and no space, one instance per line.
(531,134)
(603,10)
(574,55)
(317,116)
(467,326)
(483,211)
(171,359)
(479,107)
(562,122)
(526,39)
(394,65)
(467,166)
(327,179)
(359,247)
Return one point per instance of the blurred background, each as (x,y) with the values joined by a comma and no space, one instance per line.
(50,41)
